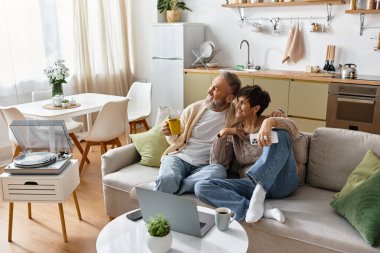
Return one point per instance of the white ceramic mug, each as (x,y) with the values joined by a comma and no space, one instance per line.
(223,217)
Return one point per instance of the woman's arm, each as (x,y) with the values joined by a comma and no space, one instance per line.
(264,134)
(222,151)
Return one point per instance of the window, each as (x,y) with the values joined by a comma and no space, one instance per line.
(33,34)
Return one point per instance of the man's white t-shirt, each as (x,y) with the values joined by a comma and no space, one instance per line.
(197,151)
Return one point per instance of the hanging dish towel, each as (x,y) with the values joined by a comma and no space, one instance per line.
(296,49)
(288,44)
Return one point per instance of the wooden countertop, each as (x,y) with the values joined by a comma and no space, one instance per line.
(285,74)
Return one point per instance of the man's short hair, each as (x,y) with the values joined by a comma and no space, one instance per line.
(233,80)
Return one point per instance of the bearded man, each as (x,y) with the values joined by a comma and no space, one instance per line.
(184,160)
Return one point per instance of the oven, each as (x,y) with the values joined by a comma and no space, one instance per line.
(354,106)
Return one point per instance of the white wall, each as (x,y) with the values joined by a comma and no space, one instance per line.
(267,49)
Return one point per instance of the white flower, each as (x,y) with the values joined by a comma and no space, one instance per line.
(57,73)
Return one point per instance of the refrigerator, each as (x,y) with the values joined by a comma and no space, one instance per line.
(171,52)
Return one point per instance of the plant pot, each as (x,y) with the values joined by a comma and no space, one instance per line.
(159,244)
(173,15)
(57,100)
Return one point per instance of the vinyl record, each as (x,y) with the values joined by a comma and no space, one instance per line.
(35,159)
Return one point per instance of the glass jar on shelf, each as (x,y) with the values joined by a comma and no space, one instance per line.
(361,4)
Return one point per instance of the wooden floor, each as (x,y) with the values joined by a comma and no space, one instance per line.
(43,232)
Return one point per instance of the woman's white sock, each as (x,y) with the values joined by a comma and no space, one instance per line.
(256,205)
(273,213)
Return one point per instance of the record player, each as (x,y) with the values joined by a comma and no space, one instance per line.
(45,146)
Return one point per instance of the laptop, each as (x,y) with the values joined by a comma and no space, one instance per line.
(182,212)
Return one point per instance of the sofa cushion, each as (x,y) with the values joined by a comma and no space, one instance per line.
(366,168)
(127,178)
(150,145)
(300,149)
(334,153)
(311,219)
(361,207)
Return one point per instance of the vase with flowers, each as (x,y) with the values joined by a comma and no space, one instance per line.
(57,75)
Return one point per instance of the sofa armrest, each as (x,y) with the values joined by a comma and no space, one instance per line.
(118,158)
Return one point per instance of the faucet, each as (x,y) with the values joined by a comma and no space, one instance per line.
(249,64)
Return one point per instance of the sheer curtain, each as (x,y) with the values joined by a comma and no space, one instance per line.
(91,36)
(101,47)
(30,40)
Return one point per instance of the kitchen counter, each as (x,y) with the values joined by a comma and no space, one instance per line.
(285,74)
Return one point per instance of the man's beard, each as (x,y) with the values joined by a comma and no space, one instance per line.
(214,105)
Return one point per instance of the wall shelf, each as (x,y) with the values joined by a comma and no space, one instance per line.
(327,3)
(362,11)
(280,4)
(362,16)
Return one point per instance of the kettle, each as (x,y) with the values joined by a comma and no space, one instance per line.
(348,71)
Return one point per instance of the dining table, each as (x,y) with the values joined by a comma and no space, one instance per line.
(86,103)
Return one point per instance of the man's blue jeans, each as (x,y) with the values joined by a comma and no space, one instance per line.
(177,176)
(275,170)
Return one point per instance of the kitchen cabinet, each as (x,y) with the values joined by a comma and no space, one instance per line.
(278,90)
(245,80)
(195,87)
(307,125)
(308,103)
(305,102)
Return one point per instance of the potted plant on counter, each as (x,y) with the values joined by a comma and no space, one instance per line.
(159,239)
(173,9)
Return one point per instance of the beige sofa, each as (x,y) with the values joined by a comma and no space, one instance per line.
(311,224)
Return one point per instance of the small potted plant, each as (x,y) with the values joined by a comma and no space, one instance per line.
(65,103)
(173,9)
(159,238)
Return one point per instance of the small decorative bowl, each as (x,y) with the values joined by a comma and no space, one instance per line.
(57,100)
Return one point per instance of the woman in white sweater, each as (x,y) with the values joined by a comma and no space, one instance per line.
(266,169)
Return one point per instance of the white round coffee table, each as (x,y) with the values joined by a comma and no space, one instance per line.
(124,235)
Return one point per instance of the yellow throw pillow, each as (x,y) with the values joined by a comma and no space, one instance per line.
(150,145)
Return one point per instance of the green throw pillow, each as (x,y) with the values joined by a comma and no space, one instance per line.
(361,207)
(366,168)
(150,145)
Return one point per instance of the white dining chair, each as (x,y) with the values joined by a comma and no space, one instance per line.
(139,105)
(72,126)
(9,114)
(112,121)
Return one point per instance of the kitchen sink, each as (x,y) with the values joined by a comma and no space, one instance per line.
(237,70)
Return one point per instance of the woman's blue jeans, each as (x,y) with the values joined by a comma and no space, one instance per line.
(275,170)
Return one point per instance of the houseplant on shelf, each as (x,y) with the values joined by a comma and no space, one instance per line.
(173,9)
(159,239)
(57,75)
